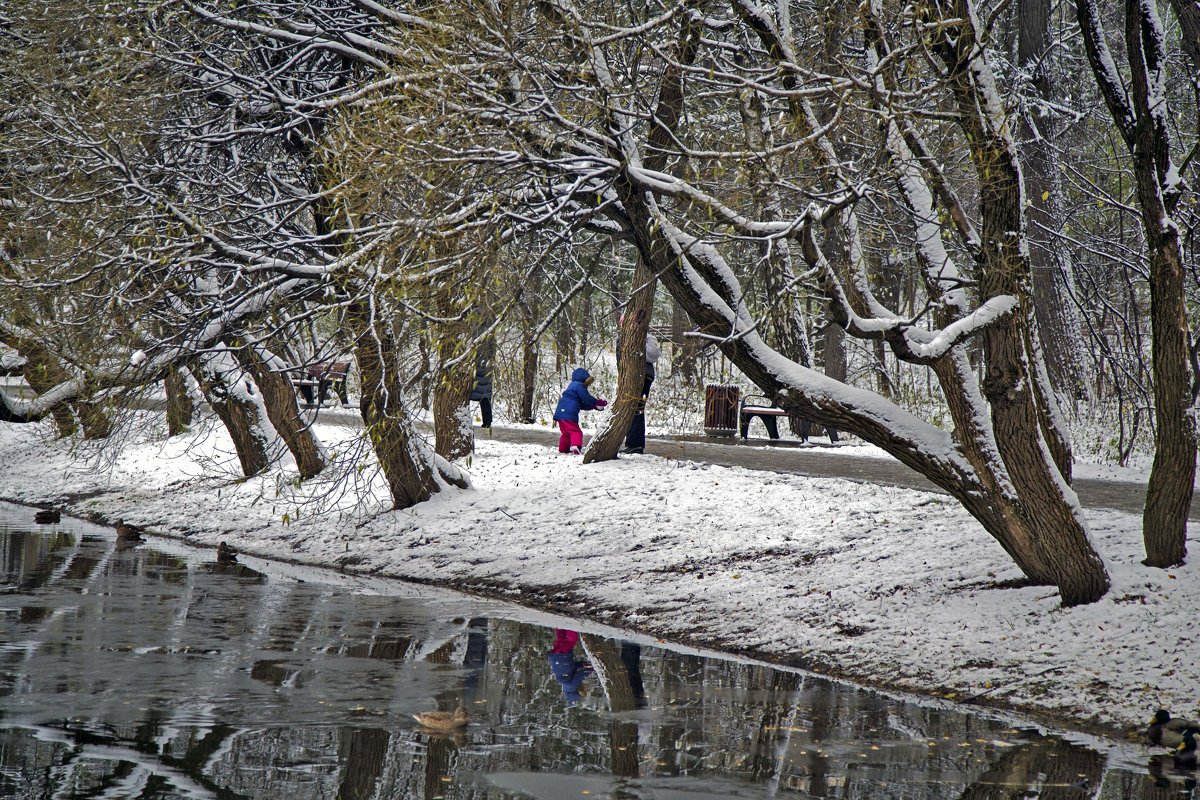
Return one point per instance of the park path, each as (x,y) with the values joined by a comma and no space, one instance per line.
(823,461)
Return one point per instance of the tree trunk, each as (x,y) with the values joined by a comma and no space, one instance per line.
(1173,473)
(683,350)
(238,403)
(631,367)
(279,399)
(1035,515)
(1019,424)
(1053,270)
(529,357)
(95,418)
(180,408)
(454,437)
(405,460)
(1141,115)
(43,372)
(453,434)
(1188,13)
(833,352)
(631,344)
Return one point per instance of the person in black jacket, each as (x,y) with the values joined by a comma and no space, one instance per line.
(482,392)
(635,438)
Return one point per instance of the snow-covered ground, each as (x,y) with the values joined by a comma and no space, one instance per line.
(889,587)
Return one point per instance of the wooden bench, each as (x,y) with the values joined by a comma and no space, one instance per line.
(761,406)
(322,377)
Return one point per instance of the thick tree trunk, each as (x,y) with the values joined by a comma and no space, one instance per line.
(631,344)
(833,352)
(1039,513)
(1173,473)
(238,403)
(279,399)
(453,434)
(631,367)
(180,408)
(1019,424)
(95,418)
(454,437)
(1188,13)
(405,460)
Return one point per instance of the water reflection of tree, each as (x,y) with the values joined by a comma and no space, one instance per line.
(773,735)
(153,747)
(1053,768)
(363,753)
(614,674)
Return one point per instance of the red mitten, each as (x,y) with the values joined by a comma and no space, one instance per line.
(601,403)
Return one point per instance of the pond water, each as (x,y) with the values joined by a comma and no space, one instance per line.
(151,671)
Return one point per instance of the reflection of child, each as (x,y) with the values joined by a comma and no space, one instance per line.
(575,398)
(568,671)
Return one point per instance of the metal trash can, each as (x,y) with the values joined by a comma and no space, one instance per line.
(721,410)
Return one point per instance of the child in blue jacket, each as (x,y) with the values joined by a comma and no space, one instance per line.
(569,671)
(575,398)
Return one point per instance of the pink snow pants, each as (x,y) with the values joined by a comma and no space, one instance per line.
(571,436)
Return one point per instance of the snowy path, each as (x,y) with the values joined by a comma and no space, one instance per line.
(811,460)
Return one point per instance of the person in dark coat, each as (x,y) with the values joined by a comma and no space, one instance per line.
(635,438)
(482,391)
(575,398)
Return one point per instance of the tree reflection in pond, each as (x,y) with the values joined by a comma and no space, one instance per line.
(149,671)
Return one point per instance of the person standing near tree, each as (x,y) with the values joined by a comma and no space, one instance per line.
(482,391)
(635,439)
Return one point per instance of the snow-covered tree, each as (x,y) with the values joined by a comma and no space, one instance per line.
(629,120)
(1140,110)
